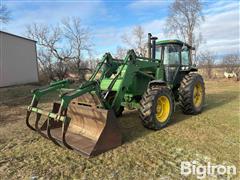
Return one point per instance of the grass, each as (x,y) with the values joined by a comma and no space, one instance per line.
(211,136)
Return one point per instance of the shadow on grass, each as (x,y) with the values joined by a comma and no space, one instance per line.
(132,128)
(216,100)
(212,101)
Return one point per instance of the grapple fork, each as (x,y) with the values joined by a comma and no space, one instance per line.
(83,126)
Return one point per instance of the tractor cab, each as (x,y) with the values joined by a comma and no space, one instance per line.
(175,56)
(173,52)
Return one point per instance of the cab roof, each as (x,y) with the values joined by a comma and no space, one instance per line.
(173,41)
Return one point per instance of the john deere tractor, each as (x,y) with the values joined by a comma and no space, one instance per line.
(84,119)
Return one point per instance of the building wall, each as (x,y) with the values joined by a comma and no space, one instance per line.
(18,63)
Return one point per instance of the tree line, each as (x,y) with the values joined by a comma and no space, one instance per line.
(61,48)
(67,47)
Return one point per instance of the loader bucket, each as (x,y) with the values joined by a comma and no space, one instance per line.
(90,130)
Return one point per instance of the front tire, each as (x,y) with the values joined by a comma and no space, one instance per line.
(156,107)
(192,94)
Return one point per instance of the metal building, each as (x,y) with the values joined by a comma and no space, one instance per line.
(18,60)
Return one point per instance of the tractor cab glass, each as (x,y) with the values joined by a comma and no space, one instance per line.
(185,56)
(171,55)
(158,52)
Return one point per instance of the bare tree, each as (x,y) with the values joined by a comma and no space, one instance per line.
(206,62)
(121,52)
(48,39)
(46,64)
(92,62)
(78,37)
(4,14)
(62,47)
(231,63)
(136,40)
(184,17)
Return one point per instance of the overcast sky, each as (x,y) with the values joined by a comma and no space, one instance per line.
(108,20)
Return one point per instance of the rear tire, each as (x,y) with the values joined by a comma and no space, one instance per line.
(156,107)
(192,94)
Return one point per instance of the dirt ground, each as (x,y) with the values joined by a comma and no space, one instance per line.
(213,136)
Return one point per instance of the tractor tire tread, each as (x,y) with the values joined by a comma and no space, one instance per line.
(146,104)
(185,93)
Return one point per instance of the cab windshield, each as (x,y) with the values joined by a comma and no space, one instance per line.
(170,53)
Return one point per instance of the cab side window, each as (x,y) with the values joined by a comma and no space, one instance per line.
(185,57)
(158,52)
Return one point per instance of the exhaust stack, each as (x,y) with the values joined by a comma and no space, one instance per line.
(154,47)
(151,46)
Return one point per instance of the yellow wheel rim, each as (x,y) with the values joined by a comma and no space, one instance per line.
(162,108)
(197,95)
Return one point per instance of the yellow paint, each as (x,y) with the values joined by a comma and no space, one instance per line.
(162,108)
(197,95)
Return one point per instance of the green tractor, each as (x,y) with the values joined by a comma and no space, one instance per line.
(84,119)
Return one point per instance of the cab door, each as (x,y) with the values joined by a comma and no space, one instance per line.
(171,61)
(185,57)
(186,64)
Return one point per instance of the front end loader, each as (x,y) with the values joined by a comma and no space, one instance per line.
(84,119)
